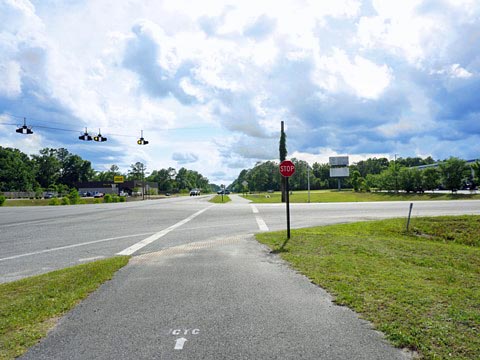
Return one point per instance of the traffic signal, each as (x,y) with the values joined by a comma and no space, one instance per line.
(99,137)
(24,130)
(85,136)
(142,141)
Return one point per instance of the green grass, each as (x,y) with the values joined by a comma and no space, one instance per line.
(217,199)
(30,307)
(350,196)
(421,289)
(42,202)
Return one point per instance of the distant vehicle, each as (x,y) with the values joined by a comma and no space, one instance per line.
(83,194)
(49,196)
(227,192)
(220,192)
(194,192)
(167,194)
(98,195)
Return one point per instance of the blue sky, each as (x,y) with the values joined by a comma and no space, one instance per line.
(209,82)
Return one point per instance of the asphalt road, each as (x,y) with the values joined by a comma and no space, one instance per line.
(198,286)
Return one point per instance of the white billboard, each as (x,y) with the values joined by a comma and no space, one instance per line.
(338,160)
(339,172)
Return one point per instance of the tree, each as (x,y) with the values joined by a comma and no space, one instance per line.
(137,171)
(17,172)
(410,179)
(430,178)
(47,167)
(452,172)
(357,180)
(476,172)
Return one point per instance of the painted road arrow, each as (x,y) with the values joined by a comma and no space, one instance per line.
(179,343)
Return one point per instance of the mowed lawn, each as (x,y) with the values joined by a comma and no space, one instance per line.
(422,289)
(351,196)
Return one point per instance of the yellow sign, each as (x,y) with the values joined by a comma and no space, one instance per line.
(118,179)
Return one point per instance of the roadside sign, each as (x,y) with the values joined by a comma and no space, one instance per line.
(244,183)
(118,179)
(287,168)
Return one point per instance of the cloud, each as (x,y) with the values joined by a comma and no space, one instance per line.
(260,28)
(216,79)
(184,158)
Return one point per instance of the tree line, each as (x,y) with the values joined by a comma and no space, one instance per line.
(59,170)
(401,174)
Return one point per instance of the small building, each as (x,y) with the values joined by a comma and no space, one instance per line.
(132,187)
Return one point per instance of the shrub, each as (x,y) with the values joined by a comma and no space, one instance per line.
(2,200)
(97,201)
(65,201)
(107,198)
(122,199)
(115,198)
(54,202)
(73,196)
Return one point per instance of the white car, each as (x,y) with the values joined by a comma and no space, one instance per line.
(194,192)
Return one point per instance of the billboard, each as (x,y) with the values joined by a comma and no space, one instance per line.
(339,172)
(338,160)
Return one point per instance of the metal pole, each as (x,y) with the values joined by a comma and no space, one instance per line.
(308,181)
(287,198)
(409,215)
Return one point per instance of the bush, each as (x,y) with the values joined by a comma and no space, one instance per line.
(107,198)
(2,200)
(65,201)
(97,201)
(115,198)
(54,202)
(122,199)
(73,197)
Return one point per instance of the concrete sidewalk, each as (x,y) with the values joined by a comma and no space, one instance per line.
(227,298)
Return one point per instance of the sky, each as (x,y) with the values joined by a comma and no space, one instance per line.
(210,81)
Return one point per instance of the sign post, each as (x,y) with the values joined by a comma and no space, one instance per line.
(287,169)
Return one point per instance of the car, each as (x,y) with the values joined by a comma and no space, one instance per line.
(194,192)
(48,195)
(227,192)
(98,195)
(220,192)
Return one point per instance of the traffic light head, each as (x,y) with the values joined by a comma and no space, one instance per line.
(24,130)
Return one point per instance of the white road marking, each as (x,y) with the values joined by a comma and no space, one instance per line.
(91,259)
(261,224)
(130,250)
(179,343)
(72,246)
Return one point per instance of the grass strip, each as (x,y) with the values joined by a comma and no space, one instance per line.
(351,196)
(30,307)
(217,199)
(421,289)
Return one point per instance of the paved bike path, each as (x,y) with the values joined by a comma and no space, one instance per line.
(227,298)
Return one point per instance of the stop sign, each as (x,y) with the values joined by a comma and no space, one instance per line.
(287,168)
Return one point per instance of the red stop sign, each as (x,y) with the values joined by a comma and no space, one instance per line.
(287,168)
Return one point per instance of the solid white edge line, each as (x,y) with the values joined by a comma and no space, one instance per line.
(71,246)
(254,209)
(132,249)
